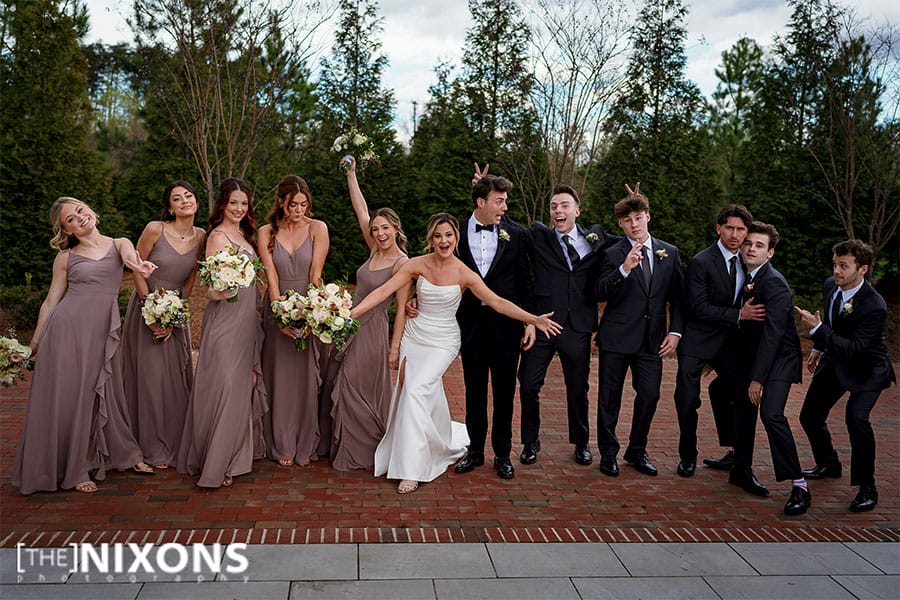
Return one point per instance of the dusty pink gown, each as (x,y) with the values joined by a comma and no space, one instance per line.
(222,427)
(158,376)
(291,376)
(75,422)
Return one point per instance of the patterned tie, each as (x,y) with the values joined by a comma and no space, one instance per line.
(571,251)
(479,227)
(645,266)
(836,307)
(732,270)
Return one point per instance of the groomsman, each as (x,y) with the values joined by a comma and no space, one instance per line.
(639,278)
(772,359)
(849,354)
(566,260)
(713,281)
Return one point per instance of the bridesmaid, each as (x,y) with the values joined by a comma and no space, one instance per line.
(359,375)
(222,429)
(158,376)
(76,425)
(293,247)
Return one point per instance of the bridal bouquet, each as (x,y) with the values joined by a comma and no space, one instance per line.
(165,308)
(328,314)
(290,311)
(229,270)
(13,356)
(357,143)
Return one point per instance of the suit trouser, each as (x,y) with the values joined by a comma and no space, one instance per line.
(823,393)
(721,400)
(646,377)
(687,400)
(778,430)
(484,354)
(574,349)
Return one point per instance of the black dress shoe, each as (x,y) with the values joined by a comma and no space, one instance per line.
(583,456)
(721,464)
(822,471)
(866,499)
(686,469)
(504,468)
(609,466)
(469,462)
(744,478)
(529,453)
(798,502)
(642,464)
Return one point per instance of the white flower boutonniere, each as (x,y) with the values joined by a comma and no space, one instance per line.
(504,235)
(662,254)
(592,238)
(749,287)
(847,309)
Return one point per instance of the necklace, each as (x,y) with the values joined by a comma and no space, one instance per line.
(182,236)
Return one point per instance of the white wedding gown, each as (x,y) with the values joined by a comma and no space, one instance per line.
(420,440)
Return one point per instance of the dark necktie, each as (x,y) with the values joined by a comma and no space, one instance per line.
(479,227)
(732,270)
(571,251)
(836,307)
(645,266)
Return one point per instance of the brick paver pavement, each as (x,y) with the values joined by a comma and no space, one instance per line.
(554,500)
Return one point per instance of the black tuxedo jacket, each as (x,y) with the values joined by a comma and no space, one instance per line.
(509,276)
(633,314)
(568,294)
(709,311)
(854,344)
(771,348)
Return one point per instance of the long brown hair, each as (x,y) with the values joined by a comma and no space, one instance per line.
(167,214)
(248,226)
(393,218)
(288,187)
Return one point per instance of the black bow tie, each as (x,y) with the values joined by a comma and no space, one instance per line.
(479,227)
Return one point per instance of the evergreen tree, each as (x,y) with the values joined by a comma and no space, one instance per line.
(655,133)
(45,150)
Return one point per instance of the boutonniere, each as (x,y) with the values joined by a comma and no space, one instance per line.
(504,235)
(662,254)
(749,287)
(847,309)
(592,238)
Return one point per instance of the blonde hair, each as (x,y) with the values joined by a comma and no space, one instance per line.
(62,240)
(392,218)
(440,219)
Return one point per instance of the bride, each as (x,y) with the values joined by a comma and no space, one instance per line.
(420,441)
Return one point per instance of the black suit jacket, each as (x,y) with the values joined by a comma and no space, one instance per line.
(709,312)
(635,315)
(568,294)
(509,276)
(771,348)
(854,344)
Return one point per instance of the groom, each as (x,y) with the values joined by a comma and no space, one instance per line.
(493,246)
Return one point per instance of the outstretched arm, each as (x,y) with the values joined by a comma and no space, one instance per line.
(380,294)
(132,259)
(505,307)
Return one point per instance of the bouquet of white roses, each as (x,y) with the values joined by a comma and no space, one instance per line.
(359,144)
(290,311)
(12,359)
(229,270)
(328,314)
(165,308)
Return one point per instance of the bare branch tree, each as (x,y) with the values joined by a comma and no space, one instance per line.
(234,62)
(579,57)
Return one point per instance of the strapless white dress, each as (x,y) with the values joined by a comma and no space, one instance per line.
(420,440)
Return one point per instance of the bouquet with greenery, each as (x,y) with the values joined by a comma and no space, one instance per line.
(229,270)
(13,357)
(357,144)
(165,308)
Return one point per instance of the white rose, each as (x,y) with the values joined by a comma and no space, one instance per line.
(332,289)
(219,285)
(344,312)
(325,337)
(338,323)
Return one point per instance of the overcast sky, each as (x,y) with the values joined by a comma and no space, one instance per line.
(418,34)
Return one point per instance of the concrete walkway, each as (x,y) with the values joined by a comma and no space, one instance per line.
(560,571)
